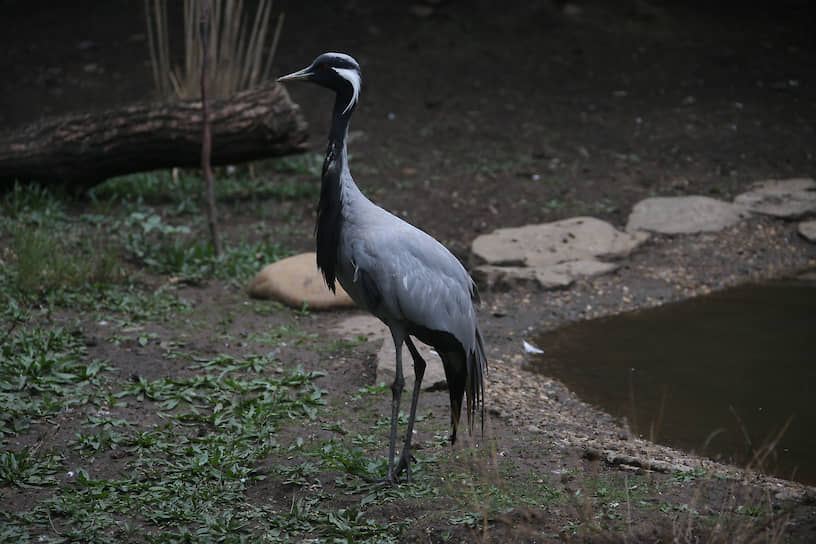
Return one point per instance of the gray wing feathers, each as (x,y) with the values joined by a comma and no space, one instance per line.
(422,281)
(439,300)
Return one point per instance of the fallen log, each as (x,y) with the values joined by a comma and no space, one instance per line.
(79,151)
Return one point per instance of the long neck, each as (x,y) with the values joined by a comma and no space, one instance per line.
(335,174)
(340,120)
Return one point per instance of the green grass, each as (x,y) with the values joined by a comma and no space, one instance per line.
(186,475)
(45,262)
(169,249)
(43,372)
(287,334)
(51,251)
(47,249)
(285,178)
(32,204)
(186,472)
(195,260)
(29,468)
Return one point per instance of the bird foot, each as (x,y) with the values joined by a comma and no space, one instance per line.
(405,464)
(392,478)
(386,482)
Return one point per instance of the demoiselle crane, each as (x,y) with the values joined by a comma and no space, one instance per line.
(392,269)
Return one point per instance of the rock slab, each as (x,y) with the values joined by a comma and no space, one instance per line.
(296,280)
(551,255)
(375,330)
(807,229)
(786,198)
(558,276)
(684,215)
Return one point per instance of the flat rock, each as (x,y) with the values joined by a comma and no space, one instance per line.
(557,276)
(786,198)
(577,238)
(550,255)
(808,230)
(508,277)
(375,330)
(684,215)
(587,267)
(296,280)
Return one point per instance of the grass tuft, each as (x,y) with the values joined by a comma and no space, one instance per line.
(45,263)
(42,373)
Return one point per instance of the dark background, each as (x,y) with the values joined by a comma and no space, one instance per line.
(509,112)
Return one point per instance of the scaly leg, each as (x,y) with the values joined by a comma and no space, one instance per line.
(419,372)
(396,393)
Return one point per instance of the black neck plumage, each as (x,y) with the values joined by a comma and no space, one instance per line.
(329,208)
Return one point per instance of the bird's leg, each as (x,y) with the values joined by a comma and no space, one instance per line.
(419,372)
(396,393)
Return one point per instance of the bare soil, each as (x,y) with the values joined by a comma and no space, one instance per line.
(476,116)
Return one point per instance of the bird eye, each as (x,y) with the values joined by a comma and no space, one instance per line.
(323,66)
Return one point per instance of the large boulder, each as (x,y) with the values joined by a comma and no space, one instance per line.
(296,280)
(684,215)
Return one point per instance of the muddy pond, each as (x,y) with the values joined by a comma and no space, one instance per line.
(729,375)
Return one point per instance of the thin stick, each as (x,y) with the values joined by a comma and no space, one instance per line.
(256,39)
(154,61)
(273,49)
(163,46)
(231,47)
(206,144)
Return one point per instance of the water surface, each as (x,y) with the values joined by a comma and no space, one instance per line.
(723,375)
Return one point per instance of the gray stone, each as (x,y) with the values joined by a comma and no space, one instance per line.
(785,198)
(551,255)
(296,280)
(808,230)
(588,267)
(683,215)
(577,238)
(375,331)
(508,277)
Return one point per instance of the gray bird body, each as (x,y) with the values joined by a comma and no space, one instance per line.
(397,272)
(419,280)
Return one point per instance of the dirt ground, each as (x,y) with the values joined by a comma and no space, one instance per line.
(481,115)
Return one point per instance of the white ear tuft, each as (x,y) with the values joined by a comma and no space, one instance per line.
(353,77)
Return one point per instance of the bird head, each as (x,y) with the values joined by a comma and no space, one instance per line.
(336,71)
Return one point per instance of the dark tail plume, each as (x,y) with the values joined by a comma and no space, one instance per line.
(465,376)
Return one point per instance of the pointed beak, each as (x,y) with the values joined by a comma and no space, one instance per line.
(294,76)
